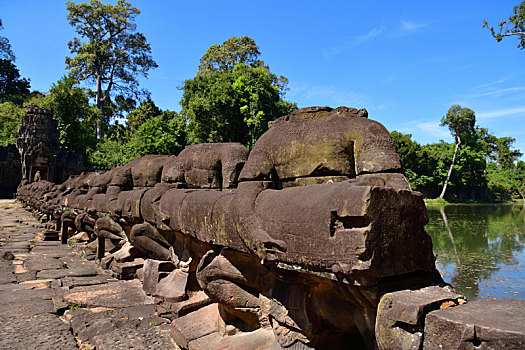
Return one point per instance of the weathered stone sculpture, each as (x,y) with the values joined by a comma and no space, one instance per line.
(309,241)
(39,148)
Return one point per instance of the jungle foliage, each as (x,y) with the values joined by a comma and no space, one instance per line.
(104,115)
(485,166)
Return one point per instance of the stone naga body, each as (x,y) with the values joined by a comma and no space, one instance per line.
(290,246)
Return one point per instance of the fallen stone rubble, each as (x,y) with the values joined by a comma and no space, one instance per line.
(313,240)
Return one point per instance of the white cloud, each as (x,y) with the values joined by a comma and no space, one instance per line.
(433,128)
(411,25)
(501,113)
(307,94)
(425,131)
(371,34)
(355,41)
(322,95)
(497,92)
(492,83)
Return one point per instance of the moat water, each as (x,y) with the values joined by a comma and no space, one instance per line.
(480,248)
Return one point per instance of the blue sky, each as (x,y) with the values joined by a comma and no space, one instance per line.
(407,62)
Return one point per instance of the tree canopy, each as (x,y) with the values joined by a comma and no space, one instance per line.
(233,96)
(10,115)
(225,57)
(70,104)
(13,88)
(161,132)
(109,53)
(6,53)
(461,123)
(513,26)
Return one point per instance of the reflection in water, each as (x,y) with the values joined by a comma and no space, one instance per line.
(445,221)
(480,248)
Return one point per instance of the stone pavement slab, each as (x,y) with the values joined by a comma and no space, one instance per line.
(42,331)
(39,280)
(113,294)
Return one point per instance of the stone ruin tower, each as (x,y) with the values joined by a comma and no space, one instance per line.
(39,148)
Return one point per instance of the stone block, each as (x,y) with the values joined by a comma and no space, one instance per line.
(151,273)
(178,309)
(195,325)
(401,315)
(127,270)
(173,287)
(483,324)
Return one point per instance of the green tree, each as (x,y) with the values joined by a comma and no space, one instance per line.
(158,132)
(520,179)
(75,117)
(109,153)
(417,161)
(140,115)
(6,53)
(110,53)
(223,58)
(10,115)
(13,88)
(461,122)
(162,134)
(514,25)
(505,155)
(505,178)
(35,98)
(233,96)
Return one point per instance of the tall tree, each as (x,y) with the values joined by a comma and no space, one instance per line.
(233,51)
(461,122)
(13,88)
(515,25)
(71,109)
(233,95)
(110,53)
(6,53)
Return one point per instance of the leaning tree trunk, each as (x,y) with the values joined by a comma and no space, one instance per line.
(445,221)
(451,166)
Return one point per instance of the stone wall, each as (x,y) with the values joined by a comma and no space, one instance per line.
(313,240)
(10,171)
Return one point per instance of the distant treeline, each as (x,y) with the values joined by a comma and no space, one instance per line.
(485,167)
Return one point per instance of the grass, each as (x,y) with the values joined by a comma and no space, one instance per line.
(435,201)
(440,201)
(74,306)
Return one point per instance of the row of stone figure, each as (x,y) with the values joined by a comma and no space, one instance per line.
(295,242)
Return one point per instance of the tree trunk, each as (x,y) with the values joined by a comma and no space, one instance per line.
(99,103)
(451,166)
(445,221)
